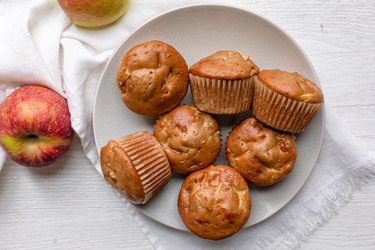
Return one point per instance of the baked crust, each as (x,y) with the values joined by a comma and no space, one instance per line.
(292,85)
(189,137)
(262,155)
(153,78)
(214,203)
(226,65)
(136,166)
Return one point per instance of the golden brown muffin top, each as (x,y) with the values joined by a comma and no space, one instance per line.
(227,65)
(214,202)
(262,155)
(153,78)
(292,85)
(120,172)
(189,137)
(135,165)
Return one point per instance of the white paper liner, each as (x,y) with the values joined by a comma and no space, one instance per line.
(280,112)
(217,96)
(149,160)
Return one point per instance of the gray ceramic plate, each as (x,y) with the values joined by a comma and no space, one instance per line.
(197,31)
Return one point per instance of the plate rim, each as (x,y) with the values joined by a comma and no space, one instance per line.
(226,6)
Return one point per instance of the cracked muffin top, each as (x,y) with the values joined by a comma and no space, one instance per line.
(262,155)
(153,78)
(135,165)
(214,202)
(292,85)
(189,137)
(226,65)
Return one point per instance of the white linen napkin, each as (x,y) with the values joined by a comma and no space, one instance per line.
(38,44)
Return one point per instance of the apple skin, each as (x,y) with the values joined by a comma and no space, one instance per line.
(94,13)
(35,126)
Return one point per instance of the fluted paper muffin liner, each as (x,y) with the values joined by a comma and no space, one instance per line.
(218,96)
(149,160)
(280,112)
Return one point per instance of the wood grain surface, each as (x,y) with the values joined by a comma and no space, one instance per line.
(68,206)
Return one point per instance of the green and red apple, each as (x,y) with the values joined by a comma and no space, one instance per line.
(94,13)
(35,126)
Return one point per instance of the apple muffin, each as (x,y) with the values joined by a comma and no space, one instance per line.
(153,78)
(285,101)
(189,138)
(222,83)
(262,155)
(136,166)
(214,203)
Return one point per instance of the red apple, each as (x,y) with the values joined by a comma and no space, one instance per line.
(94,13)
(35,127)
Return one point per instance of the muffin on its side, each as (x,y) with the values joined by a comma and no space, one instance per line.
(153,78)
(222,83)
(189,137)
(285,101)
(214,203)
(263,156)
(136,166)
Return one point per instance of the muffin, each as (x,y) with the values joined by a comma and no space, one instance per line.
(214,203)
(136,166)
(222,83)
(262,155)
(189,138)
(153,78)
(285,101)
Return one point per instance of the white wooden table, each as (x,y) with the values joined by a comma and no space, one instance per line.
(69,206)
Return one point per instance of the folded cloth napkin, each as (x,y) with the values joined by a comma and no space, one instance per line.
(38,44)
